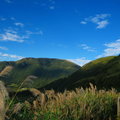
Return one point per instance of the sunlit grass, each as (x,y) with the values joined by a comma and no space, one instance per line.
(81,104)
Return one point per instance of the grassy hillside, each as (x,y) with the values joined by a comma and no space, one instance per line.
(103,72)
(35,72)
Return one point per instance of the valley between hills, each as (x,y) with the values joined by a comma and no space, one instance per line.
(55,89)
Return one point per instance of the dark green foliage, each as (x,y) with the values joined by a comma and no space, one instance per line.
(103,72)
(24,114)
(36,72)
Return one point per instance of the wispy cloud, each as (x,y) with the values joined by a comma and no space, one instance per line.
(7,19)
(52,4)
(52,7)
(11,35)
(13,18)
(80,61)
(86,47)
(102,24)
(39,32)
(8,1)
(2,18)
(3,48)
(49,4)
(19,24)
(17,34)
(112,49)
(83,22)
(10,56)
(101,20)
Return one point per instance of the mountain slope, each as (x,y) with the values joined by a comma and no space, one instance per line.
(103,72)
(35,72)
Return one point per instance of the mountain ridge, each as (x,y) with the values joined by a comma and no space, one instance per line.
(103,72)
(35,72)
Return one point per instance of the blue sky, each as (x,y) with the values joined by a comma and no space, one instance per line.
(76,30)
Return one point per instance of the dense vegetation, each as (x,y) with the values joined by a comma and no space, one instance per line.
(81,104)
(103,72)
(35,72)
(72,97)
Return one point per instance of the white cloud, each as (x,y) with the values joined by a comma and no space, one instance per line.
(11,35)
(99,17)
(112,49)
(100,20)
(7,18)
(49,4)
(80,61)
(86,47)
(40,32)
(83,22)
(102,24)
(3,48)
(19,24)
(5,55)
(16,36)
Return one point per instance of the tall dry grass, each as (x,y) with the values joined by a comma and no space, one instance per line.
(3,97)
(81,104)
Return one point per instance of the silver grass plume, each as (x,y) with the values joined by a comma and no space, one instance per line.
(3,97)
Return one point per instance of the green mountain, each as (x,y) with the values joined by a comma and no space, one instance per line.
(103,72)
(35,72)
